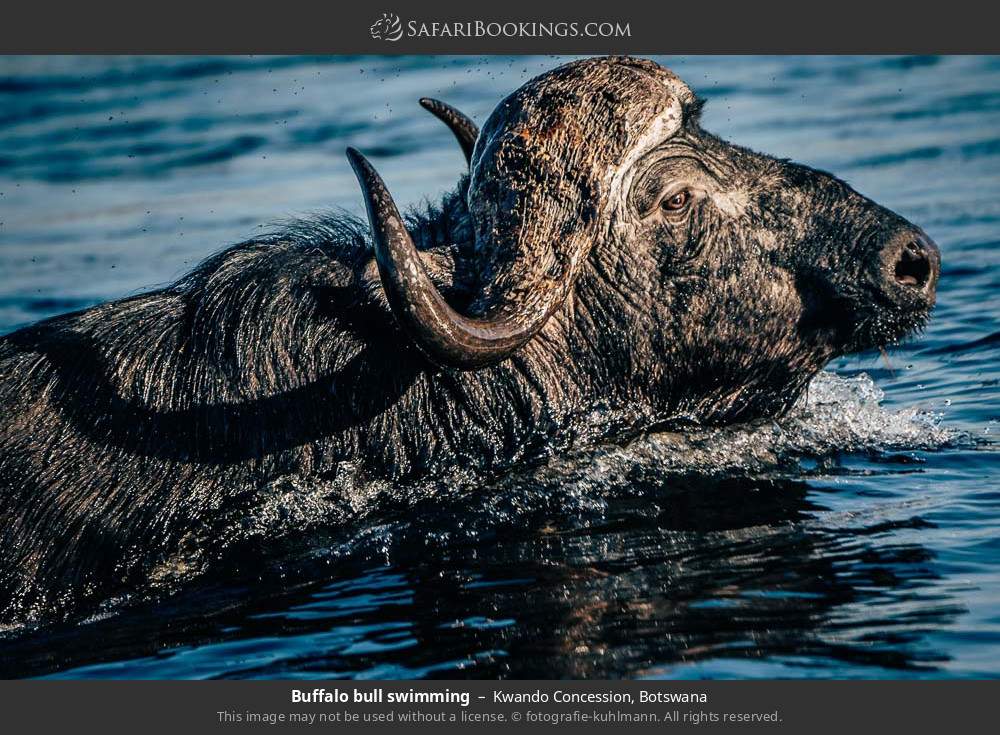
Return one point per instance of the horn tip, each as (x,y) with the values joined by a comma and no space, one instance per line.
(363,169)
(356,159)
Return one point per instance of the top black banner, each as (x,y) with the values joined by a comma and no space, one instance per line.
(448,26)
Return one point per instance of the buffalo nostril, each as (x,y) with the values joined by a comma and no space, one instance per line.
(913,265)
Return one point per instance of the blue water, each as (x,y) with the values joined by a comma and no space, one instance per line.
(857,537)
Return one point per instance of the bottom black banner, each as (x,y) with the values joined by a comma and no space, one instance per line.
(716,706)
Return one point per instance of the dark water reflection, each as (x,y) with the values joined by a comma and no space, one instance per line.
(686,570)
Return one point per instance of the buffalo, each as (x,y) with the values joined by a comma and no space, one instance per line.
(606,267)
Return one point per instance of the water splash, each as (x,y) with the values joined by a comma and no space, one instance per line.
(836,416)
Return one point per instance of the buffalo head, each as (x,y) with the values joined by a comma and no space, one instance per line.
(725,278)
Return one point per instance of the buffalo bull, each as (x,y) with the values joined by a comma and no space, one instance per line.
(605,256)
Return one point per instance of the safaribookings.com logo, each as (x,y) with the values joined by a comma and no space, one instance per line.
(390,28)
(387,28)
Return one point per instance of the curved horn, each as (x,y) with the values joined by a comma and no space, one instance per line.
(465,131)
(446,337)
(548,182)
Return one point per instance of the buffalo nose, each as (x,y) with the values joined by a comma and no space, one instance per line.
(912,263)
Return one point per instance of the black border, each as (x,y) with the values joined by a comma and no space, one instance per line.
(337,27)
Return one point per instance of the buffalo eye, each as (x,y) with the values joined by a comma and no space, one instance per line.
(676,202)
